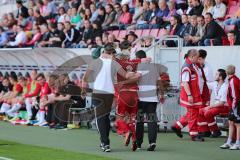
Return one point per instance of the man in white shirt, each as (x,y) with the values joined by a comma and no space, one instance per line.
(219,10)
(219,88)
(102,72)
(21,38)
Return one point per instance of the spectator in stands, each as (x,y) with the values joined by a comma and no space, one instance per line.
(3,37)
(200,30)
(71,34)
(219,10)
(235,20)
(36,37)
(188,9)
(20,39)
(144,17)
(131,37)
(75,3)
(22,21)
(63,16)
(40,20)
(163,10)
(87,35)
(213,31)
(41,7)
(75,18)
(43,42)
(12,33)
(110,16)
(208,7)
(97,29)
(105,37)
(4,20)
(21,9)
(174,26)
(126,18)
(97,43)
(233,38)
(172,11)
(11,20)
(191,32)
(112,39)
(197,8)
(88,14)
(94,12)
(138,11)
(101,14)
(185,26)
(31,19)
(51,9)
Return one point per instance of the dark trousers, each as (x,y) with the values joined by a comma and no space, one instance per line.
(103,105)
(148,108)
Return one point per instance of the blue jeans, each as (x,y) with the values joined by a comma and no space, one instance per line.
(232,21)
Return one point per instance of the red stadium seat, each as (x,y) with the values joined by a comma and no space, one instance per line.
(146,32)
(225,41)
(229,28)
(232,3)
(162,33)
(115,33)
(122,35)
(138,32)
(154,32)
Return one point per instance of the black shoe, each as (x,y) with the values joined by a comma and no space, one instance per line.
(107,148)
(198,138)
(151,147)
(216,134)
(177,131)
(205,134)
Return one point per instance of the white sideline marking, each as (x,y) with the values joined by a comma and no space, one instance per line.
(4,158)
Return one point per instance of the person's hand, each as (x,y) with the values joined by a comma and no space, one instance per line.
(190,99)
(162,99)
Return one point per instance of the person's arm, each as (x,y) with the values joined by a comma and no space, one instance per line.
(234,84)
(62,98)
(35,92)
(185,80)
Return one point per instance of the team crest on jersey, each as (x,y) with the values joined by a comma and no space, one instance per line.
(129,68)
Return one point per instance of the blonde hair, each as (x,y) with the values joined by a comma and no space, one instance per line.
(230,70)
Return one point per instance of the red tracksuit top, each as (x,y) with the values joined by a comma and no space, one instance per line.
(233,96)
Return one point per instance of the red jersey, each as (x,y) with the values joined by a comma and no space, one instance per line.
(45,90)
(128,66)
(18,88)
(233,96)
(33,89)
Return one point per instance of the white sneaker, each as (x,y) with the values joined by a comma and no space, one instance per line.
(235,147)
(226,146)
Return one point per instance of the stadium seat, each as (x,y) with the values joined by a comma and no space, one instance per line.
(115,33)
(138,32)
(154,32)
(229,28)
(122,34)
(161,33)
(146,32)
(232,3)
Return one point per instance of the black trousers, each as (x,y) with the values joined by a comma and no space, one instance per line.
(148,108)
(103,106)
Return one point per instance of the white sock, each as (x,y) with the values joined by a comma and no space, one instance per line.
(238,142)
(5,107)
(41,116)
(28,108)
(229,141)
(13,111)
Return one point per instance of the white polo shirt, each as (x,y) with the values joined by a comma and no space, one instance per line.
(220,92)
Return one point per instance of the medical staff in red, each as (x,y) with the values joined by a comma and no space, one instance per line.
(207,124)
(233,99)
(190,97)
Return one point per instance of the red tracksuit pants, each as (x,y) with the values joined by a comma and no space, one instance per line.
(190,119)
(206,120)
(127,102)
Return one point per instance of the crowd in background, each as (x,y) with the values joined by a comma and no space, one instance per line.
(89,23)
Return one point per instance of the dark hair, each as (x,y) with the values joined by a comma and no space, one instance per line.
(201,16)
(111,6)
(40,75)
(232,32)
(141,2)
(222,73)
(140,54)
(124,45)
(27,75)
(202,53)
(1,28)
(210,14)
(109,49)
(14,77)
(155,3)
(126,6)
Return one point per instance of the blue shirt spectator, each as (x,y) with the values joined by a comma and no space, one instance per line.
(3,37)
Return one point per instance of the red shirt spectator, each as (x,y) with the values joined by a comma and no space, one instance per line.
(126,17)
